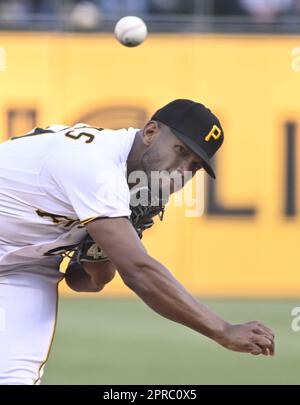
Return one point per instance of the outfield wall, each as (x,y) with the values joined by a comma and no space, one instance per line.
(247,243)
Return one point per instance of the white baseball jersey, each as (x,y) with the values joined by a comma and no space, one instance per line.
(54,181)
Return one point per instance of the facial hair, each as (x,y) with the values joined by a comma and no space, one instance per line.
(151,163)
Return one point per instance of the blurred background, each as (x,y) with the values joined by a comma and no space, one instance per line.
(60,63)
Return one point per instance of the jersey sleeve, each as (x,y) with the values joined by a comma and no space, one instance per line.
(94,185)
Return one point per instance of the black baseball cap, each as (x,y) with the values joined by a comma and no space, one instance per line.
(196,126)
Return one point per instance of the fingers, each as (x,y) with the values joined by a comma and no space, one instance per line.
(272,349)
(252,337)
(262,329)
(256,350)
(266,344)
(266,352)
(264,332)
(262,339)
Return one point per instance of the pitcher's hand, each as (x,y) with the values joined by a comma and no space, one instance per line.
(251,337)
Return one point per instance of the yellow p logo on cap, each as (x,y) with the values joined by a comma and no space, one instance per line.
(215,133)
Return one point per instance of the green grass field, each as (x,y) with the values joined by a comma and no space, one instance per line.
(121,341)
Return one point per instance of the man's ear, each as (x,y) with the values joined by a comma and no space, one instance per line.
(150,132)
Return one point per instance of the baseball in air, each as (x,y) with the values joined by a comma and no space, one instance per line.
(131,31)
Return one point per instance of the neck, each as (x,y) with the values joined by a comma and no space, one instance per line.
(134,157)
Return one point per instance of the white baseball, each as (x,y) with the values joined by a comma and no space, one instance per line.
(131,31)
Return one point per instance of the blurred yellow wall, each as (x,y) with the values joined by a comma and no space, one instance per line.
(248,82)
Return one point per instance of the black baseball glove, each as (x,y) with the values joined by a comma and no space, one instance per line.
(143,210)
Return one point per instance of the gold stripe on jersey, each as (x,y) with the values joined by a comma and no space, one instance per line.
(56,219)
(88,220)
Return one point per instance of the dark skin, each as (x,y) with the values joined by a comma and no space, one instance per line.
(157,148)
